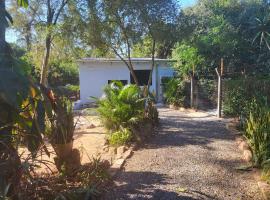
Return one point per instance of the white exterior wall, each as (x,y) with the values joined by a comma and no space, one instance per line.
(95,75)
(163,71)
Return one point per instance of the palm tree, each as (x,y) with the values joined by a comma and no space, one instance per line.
(262,28)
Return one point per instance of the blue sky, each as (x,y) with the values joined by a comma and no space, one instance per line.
(12,37)
(186,3)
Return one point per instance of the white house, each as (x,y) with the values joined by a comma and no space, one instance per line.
(95,73)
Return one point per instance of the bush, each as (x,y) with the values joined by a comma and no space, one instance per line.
(69,91)
(125,112)
(239,93)
(207,93)
(63,72)
(121,106)
(258,132)
(151,112)
(119,138)
(175,92)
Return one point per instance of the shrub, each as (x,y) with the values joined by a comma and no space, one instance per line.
(238,93)
(121,106)
(126,113)
(175,92)
(69,91)
(62,124)
(236,100)
(266,172)
(207,92)
(121,137)
(151,112)
(258,132)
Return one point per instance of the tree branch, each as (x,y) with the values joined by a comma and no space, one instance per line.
(64,2)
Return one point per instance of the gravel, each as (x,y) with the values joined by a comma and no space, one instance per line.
(193,156)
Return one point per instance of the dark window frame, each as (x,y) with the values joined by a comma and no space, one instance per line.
(142,76)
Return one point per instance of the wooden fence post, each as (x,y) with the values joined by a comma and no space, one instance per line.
(220,74)
(191,91)
(192,87)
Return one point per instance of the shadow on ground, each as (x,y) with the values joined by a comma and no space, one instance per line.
(181,131)
(144,187)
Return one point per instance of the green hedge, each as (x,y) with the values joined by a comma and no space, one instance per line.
(238,93)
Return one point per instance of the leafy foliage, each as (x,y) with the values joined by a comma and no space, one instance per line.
(62,123)
(126,114)
(121,137)
(187,58)
(258,132)
(175,92)
(240,92)
(121,106)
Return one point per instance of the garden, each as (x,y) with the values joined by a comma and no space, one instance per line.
(49,150)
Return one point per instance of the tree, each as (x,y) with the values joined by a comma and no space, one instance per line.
(115,29)
(188,59)
(54,9)
(157,18)
(120,24)
(25,20)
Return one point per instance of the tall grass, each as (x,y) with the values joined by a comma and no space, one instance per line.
(258,132)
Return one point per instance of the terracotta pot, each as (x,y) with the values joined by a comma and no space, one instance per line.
(63,150)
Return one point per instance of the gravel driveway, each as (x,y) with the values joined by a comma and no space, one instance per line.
(193,156)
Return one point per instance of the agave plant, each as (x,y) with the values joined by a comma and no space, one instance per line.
(62,124)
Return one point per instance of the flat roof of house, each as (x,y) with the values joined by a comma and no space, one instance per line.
(93,60)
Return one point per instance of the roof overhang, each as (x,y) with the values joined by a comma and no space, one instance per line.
(118,60)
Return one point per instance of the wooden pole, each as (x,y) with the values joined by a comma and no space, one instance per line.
(191,91)
(219,106)
(192,87)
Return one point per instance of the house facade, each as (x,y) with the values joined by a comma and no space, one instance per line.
(96,73)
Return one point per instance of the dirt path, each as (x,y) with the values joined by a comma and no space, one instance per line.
(192,156)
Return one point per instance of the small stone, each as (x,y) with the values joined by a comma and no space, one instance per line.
(127,154)
(118,163)
(112,150)
(105,142)
(105,148)
(91,126)
(243,146)
(239,140)
(182,109)
(120,151)
(247,155)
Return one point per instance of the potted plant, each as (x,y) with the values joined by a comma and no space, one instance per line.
(62,128)
(61,135)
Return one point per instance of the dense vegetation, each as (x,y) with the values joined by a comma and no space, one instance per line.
(122,110)
(53,34)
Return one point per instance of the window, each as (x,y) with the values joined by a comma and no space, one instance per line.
(124,82)
(142,76)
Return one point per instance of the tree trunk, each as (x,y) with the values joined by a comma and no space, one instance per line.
(192,91)
(152,66)
(28,37)
(2,29)
(45,62)
(131,69)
